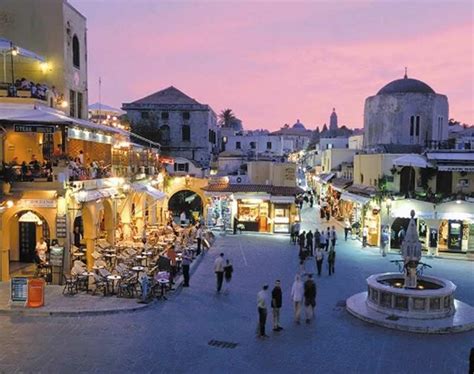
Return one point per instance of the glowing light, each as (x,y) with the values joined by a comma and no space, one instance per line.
(64,104)
(9,204)
(15,51)
(44,67)
(458,201)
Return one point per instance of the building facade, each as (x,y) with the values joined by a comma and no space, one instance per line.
(184,127)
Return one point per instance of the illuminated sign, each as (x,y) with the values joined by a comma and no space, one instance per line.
(44,129)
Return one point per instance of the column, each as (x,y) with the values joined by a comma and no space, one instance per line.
(4,265)
(90,245)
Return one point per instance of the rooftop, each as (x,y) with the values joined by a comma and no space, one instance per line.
(168,96)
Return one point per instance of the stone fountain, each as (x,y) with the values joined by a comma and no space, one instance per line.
(409,300)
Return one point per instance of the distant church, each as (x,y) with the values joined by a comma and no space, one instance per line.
(333,120)
(406,111)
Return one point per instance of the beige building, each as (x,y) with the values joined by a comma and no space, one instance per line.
(270,173)
(55,30)
(331,159)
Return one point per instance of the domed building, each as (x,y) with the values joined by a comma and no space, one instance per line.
(405,111)
(299,126)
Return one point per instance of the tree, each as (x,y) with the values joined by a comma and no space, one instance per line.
(227,118)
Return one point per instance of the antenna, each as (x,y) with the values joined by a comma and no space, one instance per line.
(406,73)
(100,100)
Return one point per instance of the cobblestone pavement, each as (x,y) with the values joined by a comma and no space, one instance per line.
(173,336)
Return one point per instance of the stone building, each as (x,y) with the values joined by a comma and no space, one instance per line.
(183,126)
(54,29)
(405,111)
(333,120)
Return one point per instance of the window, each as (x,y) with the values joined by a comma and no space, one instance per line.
(412,125)
(237,145)
(145,115)
(76,60)
(165,135)
(72,103)
(212,137)
(165,115)
(186,133)
(269,145)
(414,129)
(181,167)
(417,127)
(362,178)
(79,105)
(440,128)
(186,115)
(253,145)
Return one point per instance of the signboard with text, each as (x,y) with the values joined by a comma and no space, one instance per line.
(44,129)
(19,289)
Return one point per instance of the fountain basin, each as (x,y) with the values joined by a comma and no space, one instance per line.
(434,298)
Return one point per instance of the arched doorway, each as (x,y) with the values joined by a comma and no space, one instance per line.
(186,201)
(26,228)
(407,180)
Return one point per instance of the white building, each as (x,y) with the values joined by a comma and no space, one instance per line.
(330,143)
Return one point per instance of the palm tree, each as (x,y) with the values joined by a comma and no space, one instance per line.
(226,118)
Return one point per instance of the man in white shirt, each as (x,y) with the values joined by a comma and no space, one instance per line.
(219,270)
(365,234)
(262,305)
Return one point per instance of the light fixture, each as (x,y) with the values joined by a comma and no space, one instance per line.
(15,51)
(64,104)
(9,203)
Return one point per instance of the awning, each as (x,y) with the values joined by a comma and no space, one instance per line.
(325,177)
(6,46)
(456,210)
(412,160)
(355,198)
(149,190)
(459,167)
(282,199)
(402,209)
(340,183)
(86,196)
(251,196)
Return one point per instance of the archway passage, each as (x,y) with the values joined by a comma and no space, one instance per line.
(188,202)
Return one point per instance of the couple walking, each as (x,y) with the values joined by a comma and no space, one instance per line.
(223,268)
(331,260)
(304,294)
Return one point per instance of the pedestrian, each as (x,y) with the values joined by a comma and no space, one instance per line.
(182,218)
(199,235)
(328,238)
(311,201)
(401,235)
(301,241)
(185,264)
(276,306)
(297,293)
(292,233)
(319,260)
(323,239)
(384,241)
(365,233)
(301,204)
(297,232)
(262,302)
(333,237)
(328,214)
(219,270)
(309,298)
(309,242)
(347,228)
(317,239)
(331,261)
(228,270)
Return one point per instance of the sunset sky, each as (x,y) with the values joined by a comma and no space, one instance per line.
(274,62)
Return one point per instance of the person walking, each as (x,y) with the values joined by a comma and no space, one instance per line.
(311,201)
(384,241)
(331,261)
(219,270)
(328,239)
(309,298)
(319,260)
(317,239)
(262,302)
(185,264)
(297,232)
(323,240)
(199,234)
(347,228)
(365,233)
(297,294)
(309,243)
(328,214)
(228,270)
(301,241)
(333,237)
(276,306)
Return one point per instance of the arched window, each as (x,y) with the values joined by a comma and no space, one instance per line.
(76,61)
(186,133)
(165,135)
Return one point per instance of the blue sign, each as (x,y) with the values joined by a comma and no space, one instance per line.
(19,289)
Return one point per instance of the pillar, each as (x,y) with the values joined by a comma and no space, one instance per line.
(4,265)
(90,246)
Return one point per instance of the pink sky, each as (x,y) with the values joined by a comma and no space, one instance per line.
(274,62)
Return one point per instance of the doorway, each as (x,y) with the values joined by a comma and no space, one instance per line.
(27,241)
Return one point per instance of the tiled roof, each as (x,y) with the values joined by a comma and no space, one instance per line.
(360,189)
(168,96)
(272,190)
(340,182)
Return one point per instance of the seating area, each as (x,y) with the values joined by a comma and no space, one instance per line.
(134,268)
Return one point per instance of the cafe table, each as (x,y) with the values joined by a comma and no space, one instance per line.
(113,278)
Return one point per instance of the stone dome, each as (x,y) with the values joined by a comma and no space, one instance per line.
(406,85)
(298,125)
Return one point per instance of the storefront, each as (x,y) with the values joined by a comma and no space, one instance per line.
(253,213)
(372,220)
(456,226)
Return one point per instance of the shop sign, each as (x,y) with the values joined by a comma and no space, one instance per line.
(56,255)
(61,227)
(37,203)
(166,160)
(89,136)
(43,129)
(18,289)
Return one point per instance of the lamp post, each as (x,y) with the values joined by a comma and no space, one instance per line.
(388,204)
